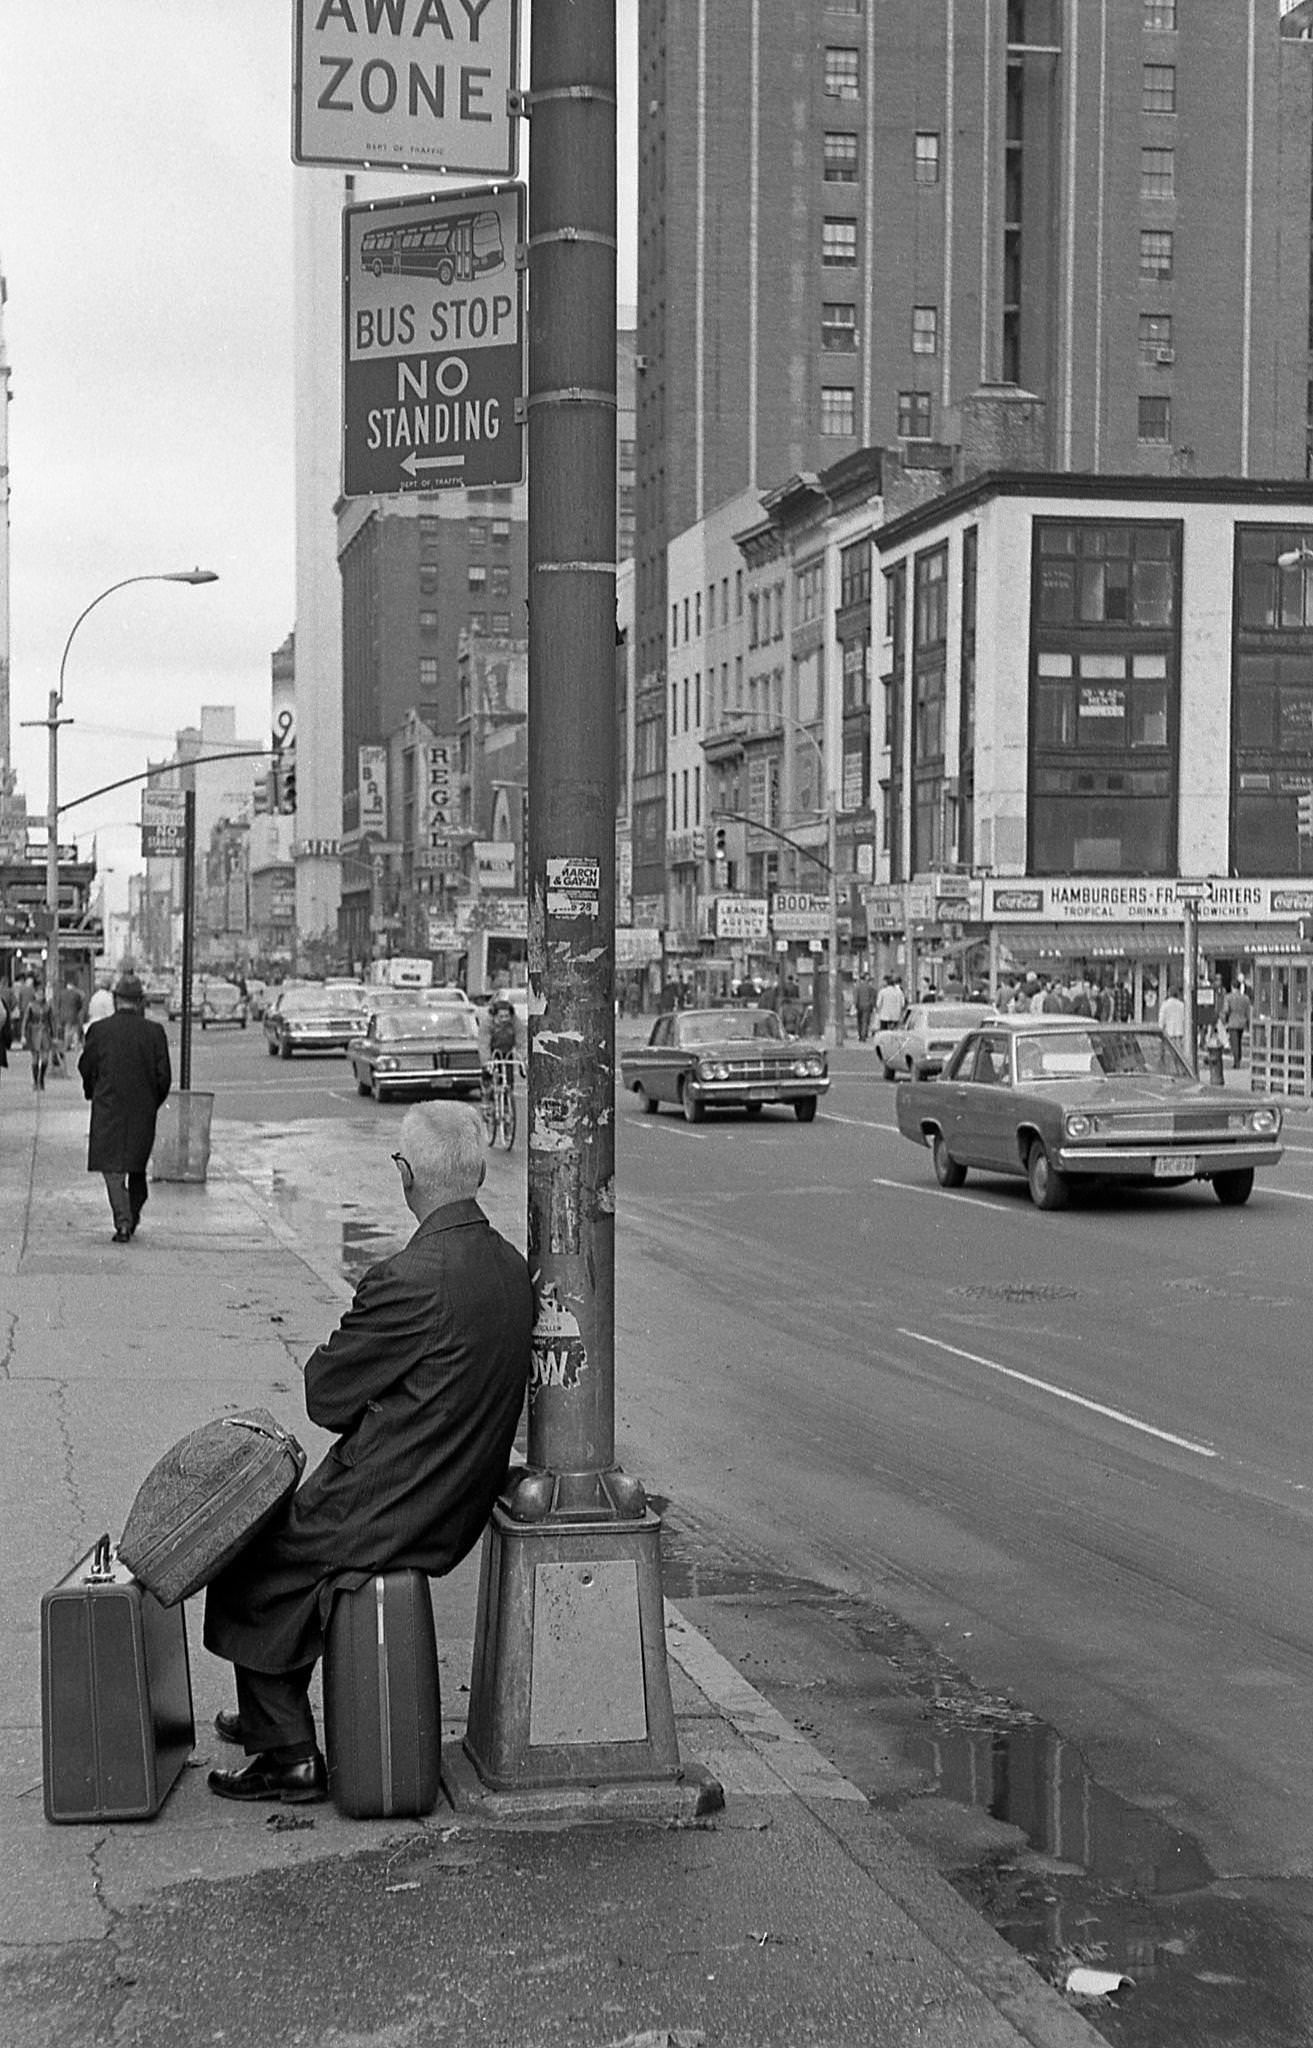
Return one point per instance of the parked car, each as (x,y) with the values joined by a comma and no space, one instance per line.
(434,1049)
(1057,1101)
(312,1019)
(924,1036)
(221,1002)
(726,1059)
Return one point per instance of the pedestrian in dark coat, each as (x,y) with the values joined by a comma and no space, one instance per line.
(423,1381)
(126,1076)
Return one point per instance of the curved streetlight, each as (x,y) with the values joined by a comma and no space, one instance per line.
(52,723)
(830,809)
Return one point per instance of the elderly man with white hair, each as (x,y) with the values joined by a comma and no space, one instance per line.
(423,1382)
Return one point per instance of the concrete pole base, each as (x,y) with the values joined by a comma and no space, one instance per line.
(570,1685)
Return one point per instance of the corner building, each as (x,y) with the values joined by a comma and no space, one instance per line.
(853,215)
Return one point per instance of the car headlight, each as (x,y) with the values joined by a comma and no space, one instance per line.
(1265,1121)
(1077,1126)
(385,1065)
(711,1070)
(808,1070)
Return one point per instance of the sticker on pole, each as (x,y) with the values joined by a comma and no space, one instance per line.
(574,888)
(433,364)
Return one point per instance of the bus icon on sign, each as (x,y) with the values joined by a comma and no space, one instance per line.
(464,246)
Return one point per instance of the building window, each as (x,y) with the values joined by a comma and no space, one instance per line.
(930,600)
(1271,703)
(914,415)
(1160,15)
(501,581)
(429,529)
(925,157)
(501,625)
(674,625)
(1156,338)
(478,622)
(428,622)
(476,533)
(839,243)
(428,582)
(855,574)
(428,673)
(478,577)
(1154,422)
(1158,173)
(838,409)
(839,327)
(925,330)
(501,532)
(842,74)
(808,593)
(1091,574)
(1159,89)
(1156,253)
(840,158)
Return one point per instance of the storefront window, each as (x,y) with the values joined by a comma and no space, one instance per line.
(1271,702)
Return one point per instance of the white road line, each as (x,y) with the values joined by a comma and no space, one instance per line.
(1182,1443)
(911,1187)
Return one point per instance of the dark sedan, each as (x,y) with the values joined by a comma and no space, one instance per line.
(726,1059)
(1058,1101)
(309,1019)
(429,1051)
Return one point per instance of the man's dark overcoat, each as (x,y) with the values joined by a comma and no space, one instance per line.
(125,1077)
(424,1380)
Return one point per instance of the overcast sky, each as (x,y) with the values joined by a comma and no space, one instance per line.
(145,239)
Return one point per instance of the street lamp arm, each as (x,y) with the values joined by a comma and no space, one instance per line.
(168,768)
(157,576)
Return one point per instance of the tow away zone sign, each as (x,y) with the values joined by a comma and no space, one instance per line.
(434,354)
(411,85)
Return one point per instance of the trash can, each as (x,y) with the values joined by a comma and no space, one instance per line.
(182,1137)
(1215,1066)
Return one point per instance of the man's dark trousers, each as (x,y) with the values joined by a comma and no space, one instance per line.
(274,1710)
(127,1198)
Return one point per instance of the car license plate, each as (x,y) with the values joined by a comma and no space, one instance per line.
(758,1092)
(1170,1164)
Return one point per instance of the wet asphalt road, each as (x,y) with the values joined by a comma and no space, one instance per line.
(1071,1451)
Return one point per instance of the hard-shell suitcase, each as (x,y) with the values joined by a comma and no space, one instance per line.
(382,1706)
(116,1712)
(205,1499)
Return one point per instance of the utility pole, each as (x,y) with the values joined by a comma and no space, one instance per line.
(570,1685)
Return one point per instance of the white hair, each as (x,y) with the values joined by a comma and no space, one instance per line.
(443,1144)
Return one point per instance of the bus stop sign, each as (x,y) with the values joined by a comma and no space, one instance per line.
(408,85)
(434,343)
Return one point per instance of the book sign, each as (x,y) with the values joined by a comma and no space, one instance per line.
(574,888)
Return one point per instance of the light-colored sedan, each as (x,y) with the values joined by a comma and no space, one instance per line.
(310,1019)
(433,1051)
(924,1037)
(726,1059)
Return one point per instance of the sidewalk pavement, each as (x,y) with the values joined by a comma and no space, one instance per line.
(797,1915)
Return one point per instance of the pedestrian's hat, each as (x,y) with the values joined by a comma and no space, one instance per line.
(129,990)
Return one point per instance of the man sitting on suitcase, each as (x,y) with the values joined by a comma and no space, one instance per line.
(423,1380)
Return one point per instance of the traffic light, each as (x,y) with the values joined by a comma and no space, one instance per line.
(1305,802)
(289,788)
(720,842)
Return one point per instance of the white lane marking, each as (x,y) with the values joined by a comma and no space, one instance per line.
(911,1187)
(1182,1443)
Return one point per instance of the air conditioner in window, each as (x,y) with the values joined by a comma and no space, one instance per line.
(1165,355)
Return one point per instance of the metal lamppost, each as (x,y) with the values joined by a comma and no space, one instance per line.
(834,1005)
(52,723)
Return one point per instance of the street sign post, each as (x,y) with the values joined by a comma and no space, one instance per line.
(433,369)
(411,85)
(162,823)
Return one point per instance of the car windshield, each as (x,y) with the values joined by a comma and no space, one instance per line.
(306,1002)
(712,1027)
(1067,1055)
(447,1023)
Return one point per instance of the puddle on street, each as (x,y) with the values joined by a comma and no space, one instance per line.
(1215,1964)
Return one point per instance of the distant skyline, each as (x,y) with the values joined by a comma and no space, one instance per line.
(146,241)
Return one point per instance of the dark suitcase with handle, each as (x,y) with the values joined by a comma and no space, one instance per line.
(116,1711)
(205,1499)
(382,1704)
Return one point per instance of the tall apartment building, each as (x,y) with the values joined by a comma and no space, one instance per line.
(851,216)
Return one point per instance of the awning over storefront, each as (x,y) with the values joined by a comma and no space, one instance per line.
(1217,941)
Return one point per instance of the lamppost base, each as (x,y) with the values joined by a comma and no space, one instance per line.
(570,1685)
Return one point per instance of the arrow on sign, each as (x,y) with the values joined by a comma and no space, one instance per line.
(412,462)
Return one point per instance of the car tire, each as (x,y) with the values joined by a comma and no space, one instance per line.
(947,1171)
(1049,1187)
(362,1087)
(284,1048)
(693,1109)
(805,1109)
(887,1070)
(243,1023)
(647,1103)
(1234,1189)
(271,1047)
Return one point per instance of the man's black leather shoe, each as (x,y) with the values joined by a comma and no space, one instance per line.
(298,1784)
(228,1726)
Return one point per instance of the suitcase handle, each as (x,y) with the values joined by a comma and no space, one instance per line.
(101,1566)
(276,1435)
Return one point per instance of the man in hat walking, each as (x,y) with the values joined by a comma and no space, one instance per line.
(125,1077)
